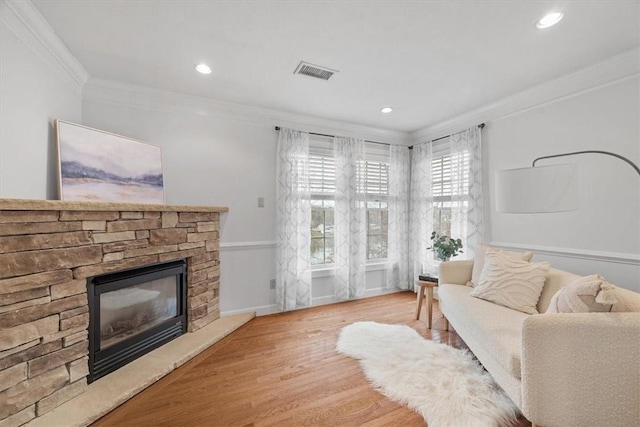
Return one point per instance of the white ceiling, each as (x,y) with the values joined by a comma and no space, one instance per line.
(430,60)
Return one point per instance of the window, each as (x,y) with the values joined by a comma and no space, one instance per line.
(373,178)
(377,226)
(444,195)
(375,186)
(322,232)
(322,182)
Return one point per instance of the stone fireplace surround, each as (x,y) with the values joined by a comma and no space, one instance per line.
(47,251)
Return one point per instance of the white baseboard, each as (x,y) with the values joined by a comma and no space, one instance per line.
(324,300)
(260,310)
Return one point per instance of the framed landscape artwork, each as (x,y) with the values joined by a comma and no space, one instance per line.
(103,167)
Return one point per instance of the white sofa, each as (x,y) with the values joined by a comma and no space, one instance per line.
(580,369)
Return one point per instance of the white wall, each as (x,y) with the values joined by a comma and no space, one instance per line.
(603,235)
(32,95)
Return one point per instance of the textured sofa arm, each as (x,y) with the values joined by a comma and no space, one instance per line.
(455,272)
(581,369)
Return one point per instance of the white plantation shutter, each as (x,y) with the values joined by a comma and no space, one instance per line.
(374,178)
(442,188)
(322,174)
(441,176)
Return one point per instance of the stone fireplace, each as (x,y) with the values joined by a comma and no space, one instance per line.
(49,250)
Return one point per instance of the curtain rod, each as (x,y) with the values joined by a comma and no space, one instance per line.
(481,126)
(333,136)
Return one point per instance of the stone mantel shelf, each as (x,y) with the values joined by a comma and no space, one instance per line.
(60,205)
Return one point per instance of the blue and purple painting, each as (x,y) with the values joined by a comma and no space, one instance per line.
(103,167)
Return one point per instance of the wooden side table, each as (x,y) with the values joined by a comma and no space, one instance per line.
(429,283)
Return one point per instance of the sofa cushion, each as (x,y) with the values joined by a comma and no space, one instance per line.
(478,261)
(496,328)
(511,282)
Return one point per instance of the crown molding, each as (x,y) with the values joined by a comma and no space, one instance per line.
(117,93)
(614,69)
(26,22)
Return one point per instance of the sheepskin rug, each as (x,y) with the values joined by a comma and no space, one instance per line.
(447,386)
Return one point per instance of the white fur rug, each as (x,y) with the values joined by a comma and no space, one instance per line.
(447,386)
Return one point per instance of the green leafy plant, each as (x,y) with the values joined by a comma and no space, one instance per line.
(444,246)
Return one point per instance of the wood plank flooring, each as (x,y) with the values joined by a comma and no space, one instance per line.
(283,370)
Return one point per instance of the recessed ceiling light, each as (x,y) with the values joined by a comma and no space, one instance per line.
(549,20)
(203,69)
(386,110)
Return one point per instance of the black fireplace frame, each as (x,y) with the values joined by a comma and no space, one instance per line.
(103,362)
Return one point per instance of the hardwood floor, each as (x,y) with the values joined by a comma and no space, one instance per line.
(283,370)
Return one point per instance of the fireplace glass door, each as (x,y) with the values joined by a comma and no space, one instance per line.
(130,311)
(133,312)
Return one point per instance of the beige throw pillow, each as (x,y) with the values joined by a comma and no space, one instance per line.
(478,261)
(511,282)
(592,294)
(588,294)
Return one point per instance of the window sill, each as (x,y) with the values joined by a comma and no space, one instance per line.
(328,271)
(322,271)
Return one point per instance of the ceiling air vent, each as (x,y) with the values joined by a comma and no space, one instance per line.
(314,71)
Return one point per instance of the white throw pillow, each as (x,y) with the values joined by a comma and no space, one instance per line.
(511,282)
(478,261)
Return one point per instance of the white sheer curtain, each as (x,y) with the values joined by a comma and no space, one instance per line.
(421,210)
(466,189)
(398,229)
(293,221)
(350,219)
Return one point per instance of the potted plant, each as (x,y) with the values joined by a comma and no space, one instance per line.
(444,246)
